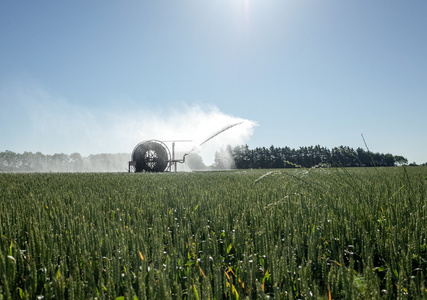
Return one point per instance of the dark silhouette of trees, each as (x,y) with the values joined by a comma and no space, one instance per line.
(307,157)
(400,160)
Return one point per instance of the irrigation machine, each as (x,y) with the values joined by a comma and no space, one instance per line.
(154,155)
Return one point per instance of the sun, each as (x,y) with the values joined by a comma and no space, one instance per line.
(246,6)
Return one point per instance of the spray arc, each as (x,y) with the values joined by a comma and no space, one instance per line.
(155,156)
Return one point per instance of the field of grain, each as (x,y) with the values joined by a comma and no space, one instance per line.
(285,234)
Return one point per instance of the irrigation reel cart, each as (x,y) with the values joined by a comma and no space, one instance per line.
(154,156)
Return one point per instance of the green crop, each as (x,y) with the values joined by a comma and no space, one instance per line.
(288,234)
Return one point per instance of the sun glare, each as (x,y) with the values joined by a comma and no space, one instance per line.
(246,7)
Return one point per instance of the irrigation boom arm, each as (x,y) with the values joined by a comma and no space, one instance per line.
(174,161)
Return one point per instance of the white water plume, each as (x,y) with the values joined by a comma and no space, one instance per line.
(50,124)
(208,129)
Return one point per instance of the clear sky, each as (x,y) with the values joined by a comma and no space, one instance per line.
(100,76)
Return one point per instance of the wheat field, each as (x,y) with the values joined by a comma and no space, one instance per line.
(284,234)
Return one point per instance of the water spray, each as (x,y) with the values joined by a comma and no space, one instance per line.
(221,131)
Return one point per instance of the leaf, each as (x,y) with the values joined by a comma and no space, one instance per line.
(234,291)
(196,294)
(337,263)
(397,191)
(203,273)
(266,277)
(231,270)
(228,276)
(229,248)
(380,269)
(11,248)
(140,255)
(58,276)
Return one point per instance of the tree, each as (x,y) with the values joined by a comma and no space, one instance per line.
(400,160)
(8,160)
(77,162)
(365,160)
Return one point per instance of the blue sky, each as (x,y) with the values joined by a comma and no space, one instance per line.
(99,76)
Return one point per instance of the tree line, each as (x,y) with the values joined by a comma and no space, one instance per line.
(39,162)
(241,157)
(237,157)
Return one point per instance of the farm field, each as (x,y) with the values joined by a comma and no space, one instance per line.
(255,234)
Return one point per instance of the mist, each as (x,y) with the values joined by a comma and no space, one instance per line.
(51,124)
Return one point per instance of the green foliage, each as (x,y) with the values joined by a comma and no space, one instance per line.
(290,234)
(242,157)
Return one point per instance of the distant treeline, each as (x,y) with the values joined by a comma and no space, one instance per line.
(241,157)
(38,162)
(238,157)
